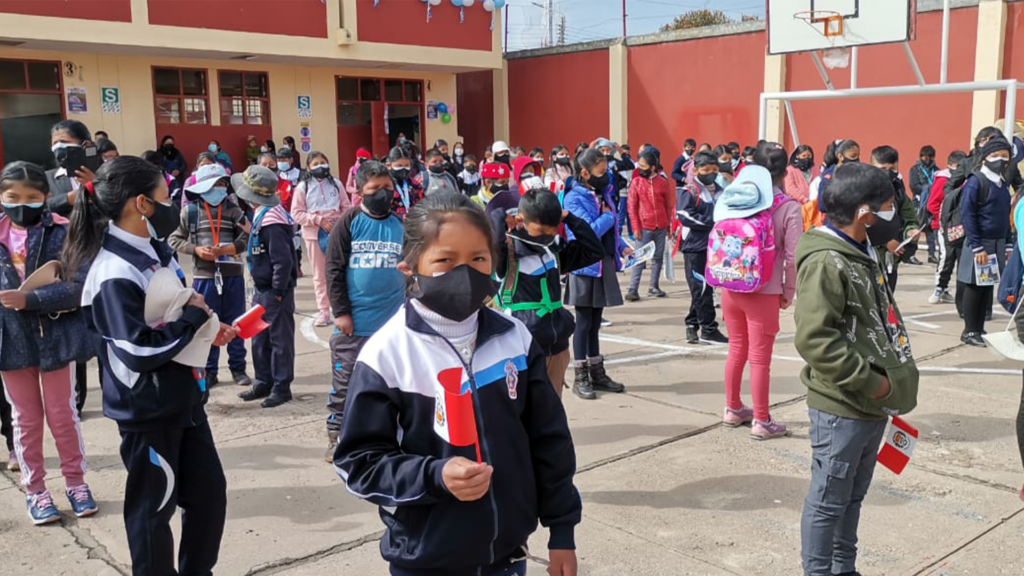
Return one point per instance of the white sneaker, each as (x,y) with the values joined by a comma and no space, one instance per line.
(947,297)
(936,296)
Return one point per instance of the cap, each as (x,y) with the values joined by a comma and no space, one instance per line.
(257,185)
(499,146)
(206,178)
(363,153)
(494,171)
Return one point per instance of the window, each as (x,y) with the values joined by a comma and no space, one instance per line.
(356,94)
(30,76)
(180,96)
(244,98)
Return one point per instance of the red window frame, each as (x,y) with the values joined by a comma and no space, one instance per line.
(245,98)
(181,96)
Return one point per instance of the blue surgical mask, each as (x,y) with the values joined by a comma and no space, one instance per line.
(212,148)
(216,195)
(284,166)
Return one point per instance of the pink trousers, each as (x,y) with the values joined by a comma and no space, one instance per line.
(319,262)
(36,397)
(752,321)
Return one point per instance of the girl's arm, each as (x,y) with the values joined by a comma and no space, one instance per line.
(585,248)
(668,196)
(633,205)
(369,457)
(299,213)
(793,230)
(969,214)
(600,225)
(59,297)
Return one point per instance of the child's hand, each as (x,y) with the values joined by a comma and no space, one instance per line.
(225,335)
(13,299)
(198,301)
(894,248)
(981,258)
(562,562)
(883,389)
(327,225)
(627,252)
(344,325)
(465,479)
(785,303)
(206,253)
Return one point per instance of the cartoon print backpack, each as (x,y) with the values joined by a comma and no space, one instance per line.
(741,251)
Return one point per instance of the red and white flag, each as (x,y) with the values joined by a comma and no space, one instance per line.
(899,445)
(251,323)
(454,418)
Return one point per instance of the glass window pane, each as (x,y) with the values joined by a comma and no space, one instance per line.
(413,92)
(43,76)
(257,112)
(348,114)
(25,121)
(168,110)
(195,111)
(348,89)
(231,111)
(393,90)
(230,83)
(12,75)
(166,81)
(369,90)
(256,85)
(193,82)
(365,117)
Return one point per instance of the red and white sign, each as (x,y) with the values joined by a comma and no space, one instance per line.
(899,445)
(454,418)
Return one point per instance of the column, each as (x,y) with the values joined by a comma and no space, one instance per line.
(618,92)
(775,81)
(988,62)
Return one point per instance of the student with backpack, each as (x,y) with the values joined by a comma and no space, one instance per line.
(949,251)
(887,236)
(985,212)
(922,176)
(695,208)
(212,231)
(757,227)
(437,179)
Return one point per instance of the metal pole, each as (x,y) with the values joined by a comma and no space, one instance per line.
(821,71)
(944,70)
(623,18)
(910,90)
(792,123)
(913,63)
(853,67)
(1011,110)
(551,22)
(506,27)
(762,129)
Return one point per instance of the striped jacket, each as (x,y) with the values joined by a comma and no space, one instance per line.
(390,454)
(143,389)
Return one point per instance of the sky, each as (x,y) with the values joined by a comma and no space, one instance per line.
(588,20)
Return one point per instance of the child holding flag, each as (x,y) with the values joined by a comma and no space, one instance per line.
(451,417)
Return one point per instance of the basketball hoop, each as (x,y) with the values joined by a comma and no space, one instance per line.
(834,58)
(832,22)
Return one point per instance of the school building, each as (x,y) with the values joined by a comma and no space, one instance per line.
(334,74)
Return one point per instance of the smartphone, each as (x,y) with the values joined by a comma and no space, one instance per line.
(77,157)
(513,212)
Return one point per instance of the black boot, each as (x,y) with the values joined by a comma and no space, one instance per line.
(241,378)
(691,335)
(276,399)
(259,390)
(581,386)
(599,378)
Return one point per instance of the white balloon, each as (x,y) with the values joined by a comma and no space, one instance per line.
(489,5)
(435,2)
(468,3)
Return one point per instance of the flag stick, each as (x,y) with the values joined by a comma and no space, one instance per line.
(478,460)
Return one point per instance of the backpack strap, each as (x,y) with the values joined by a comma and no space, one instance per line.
(511,283)
(511,280)
(193,221)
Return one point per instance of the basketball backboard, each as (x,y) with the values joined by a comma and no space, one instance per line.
(806,25)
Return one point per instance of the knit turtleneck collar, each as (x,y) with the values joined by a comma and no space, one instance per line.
(462,335)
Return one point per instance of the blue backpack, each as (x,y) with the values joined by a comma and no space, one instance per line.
(1011,280)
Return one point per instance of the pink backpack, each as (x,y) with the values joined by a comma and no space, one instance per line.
(741,251)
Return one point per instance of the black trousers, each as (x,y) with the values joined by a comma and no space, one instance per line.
(167,469)
(81,385)
(977,303)
(702,301)
(586,341)
(273,350)
(6,423)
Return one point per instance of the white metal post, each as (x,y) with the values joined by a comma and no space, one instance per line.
(913,63)
(1011,109)
(821,71)
(910,90)
(853,67)
(762,129)
(944,69)
(792,123)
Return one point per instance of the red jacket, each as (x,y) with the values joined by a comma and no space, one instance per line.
(936,196)
(651,203)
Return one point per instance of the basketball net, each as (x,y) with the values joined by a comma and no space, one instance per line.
(836,58)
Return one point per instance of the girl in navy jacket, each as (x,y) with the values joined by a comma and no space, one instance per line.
(166,443)
(41,333)
(451,424)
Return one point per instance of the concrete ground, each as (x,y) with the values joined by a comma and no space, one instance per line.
(666,489)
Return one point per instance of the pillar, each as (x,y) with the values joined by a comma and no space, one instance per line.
(988,62)
(501,121)
(775,81)
(618,92)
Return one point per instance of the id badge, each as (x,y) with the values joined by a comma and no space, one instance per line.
(218,281)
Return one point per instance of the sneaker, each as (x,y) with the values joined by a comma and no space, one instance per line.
(211,380)
(915,262)
(973,339)
(632,297)
(275,400)
(936,296)
(691,335)
(714,337)
(947,297)
(332,444)
(13,464)
(737,418)
(933,260)
(322,320)
(656,292)
(41,509)
(768,430)
(81,501)
(241,378)
(605,323)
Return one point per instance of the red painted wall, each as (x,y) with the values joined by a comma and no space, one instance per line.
(905,122)
(192,139)
(405,22)
(111,10)
(1013,59)
(545,111)
(476,113)
(709,93)
(292,18)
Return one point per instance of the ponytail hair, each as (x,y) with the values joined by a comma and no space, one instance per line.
(772,156)
(836,149)
(102,201)
(587,159)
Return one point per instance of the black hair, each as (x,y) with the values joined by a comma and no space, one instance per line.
(836,149)
(927,150)
(215,142)
(271,147)
(76,129)
(104,145)
(541,206)
(956,157)
(519,150)
(581,147)
(24,173)
(625,147)
(398,153)
(885,155)
(290,141)
(651,158)
(308,175)
(705,144)
(117,182)
(285,152)
(369,170)
(165,139)
(704,158)
(440,142)
(432,153)
(270,155)
(557,149)
(773,157)
(748,150)
(101,134)
(154,158)
(733,146)
(721,150)
(690,142)
(986,133)
(587,160)
(800,150)
(205,155)
(469,158)
(854,185)
(424,221)
(537,150)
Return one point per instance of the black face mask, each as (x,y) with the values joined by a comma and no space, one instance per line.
(456,294)
(563,161)
(688,151)
(379,203)
(472,169)
(320,172)
(997,166)
(599,183)
(725,167)
(437,169)
(164,220)
(851,160)
(503,158)
(400,174)
(499,188)
(707,179)
(735,155)
(927,163)
(802,164)
(538,244)
(25,215)
(645,173)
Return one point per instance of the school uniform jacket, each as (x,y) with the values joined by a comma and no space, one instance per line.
(143,388)
(695,207)
(390,455)
(272,262)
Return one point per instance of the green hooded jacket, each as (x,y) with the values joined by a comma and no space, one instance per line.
(850,332)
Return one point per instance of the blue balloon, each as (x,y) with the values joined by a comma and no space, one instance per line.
(457,3)
(499,4)
(442,108)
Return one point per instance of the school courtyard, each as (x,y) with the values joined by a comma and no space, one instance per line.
(666,489)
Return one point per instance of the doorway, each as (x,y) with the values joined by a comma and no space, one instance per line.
(372,112)
(31,102)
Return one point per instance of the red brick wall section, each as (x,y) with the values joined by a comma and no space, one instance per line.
(110,10)
(405,22)
(707,89)
(559,99)
(905,122)
(291,18)
(475,111)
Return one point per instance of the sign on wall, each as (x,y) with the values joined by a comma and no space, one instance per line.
(111,100)
(77,100)
(304,103)
(305,137)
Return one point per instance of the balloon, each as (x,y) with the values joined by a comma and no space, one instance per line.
(458,3)
(499,4)
(489,5)
(468,3)
(446,118)
(442,108)
(438,2)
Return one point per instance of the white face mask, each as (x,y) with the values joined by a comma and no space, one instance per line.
(886,215)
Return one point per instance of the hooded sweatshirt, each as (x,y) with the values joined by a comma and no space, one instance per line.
(849,331)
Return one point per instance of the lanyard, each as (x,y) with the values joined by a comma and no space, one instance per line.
(403,193)
(214,229)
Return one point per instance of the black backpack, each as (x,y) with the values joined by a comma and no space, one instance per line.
(950,218)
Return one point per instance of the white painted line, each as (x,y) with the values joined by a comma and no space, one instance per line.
(637,342)
(955,370)
(659,355)
(928,325)
(309,333)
